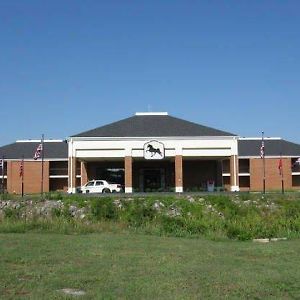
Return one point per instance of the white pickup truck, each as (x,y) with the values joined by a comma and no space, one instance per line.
(100,186)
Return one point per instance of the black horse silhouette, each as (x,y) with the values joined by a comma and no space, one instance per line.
(153,150)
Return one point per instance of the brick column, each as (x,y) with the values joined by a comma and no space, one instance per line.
(72,174)
(46,179)
(287,173)
(234,173)
(178,174)
(83,172)
(9,177)
(128,174)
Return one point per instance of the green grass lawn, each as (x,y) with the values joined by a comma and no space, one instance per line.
(135,266)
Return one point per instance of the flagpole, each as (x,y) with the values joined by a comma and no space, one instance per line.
(281,171)
(22,174)
(42,182)
(264,163)
(3,174)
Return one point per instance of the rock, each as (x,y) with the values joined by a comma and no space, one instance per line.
(158,205)
(2,204)
(261,240)
(174,212)
(210,207)
(278,239)
(190,199)
(72,210)
(128,199)
(80,213)
(73,292)
(118,203)
(247,202)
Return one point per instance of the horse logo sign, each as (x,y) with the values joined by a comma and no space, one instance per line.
(154,150)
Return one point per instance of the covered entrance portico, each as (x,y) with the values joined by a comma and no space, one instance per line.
(153,176)
(154,152)
(146,176)
(178,174)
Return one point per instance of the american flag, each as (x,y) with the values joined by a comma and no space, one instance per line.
(297,162)
(38,151)
(22,168)
(262,149)
(280,166)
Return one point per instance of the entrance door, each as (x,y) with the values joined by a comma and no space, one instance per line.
(152,180)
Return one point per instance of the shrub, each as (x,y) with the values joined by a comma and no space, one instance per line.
(103,208)
(54,196)
(214,216)
(173,226)
(6,196)
(12,213)
(238,231)
(56,212)
(138,212)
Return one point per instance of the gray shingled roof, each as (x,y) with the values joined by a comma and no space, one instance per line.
(272,148)
(152,126)
(52,150)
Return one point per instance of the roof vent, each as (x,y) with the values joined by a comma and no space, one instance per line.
(151,113)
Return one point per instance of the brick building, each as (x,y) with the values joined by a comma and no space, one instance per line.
(154,152)
(55,166)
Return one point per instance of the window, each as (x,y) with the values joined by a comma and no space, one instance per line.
(115,175)
(296,181)
(295,165)
(244,181)
(244,166)
(226,166)
(91,183)
(99,183)
(58,168)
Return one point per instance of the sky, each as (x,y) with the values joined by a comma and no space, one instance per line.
(70,66)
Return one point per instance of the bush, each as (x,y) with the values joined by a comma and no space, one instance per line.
(212,216)
(12,213)
(138,212)
(6,196)
(103,209)
(172,226)
(54,196)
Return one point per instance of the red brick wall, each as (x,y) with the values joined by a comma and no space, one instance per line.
(273,178)
(128,171)
(84,178)
(32,177)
